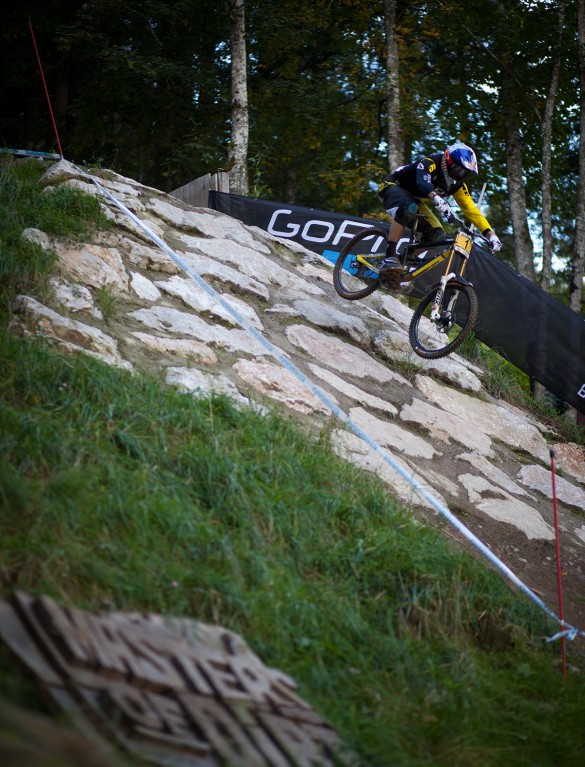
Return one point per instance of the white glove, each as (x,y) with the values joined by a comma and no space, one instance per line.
(495,242)
(442,206)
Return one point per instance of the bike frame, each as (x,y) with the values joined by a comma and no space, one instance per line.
(447,311)
(460,246)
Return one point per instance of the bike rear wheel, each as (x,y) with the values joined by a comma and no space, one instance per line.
(458,311)
(351,279)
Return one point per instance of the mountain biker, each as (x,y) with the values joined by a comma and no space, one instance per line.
(406,191)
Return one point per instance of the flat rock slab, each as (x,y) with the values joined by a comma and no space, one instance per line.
(341,356)
(253,264)
(215,272)
(571,459)
(394,345)
(193,296)
(202,384)
(77,299)
(354,449)
(445,426)
(181,347)
(395,310)
(71,336)
(144,288)
(150,258)
(94,265)
(353,392)
(281,385)
(325,316)
(163,318)
(541,479)
(493,473)
(501,506)
(206,223)
(390,435)
(492,419)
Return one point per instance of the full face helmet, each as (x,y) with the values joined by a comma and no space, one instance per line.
(459,161)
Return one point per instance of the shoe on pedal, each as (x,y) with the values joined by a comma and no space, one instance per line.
(391,272)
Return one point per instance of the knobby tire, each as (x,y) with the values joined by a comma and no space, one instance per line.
(433,340)
(353,281)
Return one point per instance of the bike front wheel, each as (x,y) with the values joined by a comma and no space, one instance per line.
(436,336)
(351,279)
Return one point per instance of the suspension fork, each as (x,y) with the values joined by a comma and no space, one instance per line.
(449,275)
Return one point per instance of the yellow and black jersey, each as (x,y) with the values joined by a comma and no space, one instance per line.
(470,209)
(426,175)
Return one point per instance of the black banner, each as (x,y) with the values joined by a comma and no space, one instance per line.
(325,233)
(524,324)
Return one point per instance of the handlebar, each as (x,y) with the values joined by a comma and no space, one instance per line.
(452,219)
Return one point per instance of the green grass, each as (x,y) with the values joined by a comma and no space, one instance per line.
(107,302)
(117,491)
(25,267)
(113,490)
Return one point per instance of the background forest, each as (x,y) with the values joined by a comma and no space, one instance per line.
(337,92)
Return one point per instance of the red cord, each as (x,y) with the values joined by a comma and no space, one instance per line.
(45,87)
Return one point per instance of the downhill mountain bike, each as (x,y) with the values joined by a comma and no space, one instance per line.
(448,310)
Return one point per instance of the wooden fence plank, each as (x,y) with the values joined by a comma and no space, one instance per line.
(196,192)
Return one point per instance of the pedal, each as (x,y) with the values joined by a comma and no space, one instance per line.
(391,278)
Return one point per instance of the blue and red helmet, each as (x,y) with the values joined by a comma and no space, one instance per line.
(460,161)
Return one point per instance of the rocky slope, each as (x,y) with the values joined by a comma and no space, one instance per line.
(485,460)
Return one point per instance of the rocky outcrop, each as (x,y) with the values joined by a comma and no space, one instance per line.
(486,460)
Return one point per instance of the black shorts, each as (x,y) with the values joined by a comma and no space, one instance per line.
(393,196)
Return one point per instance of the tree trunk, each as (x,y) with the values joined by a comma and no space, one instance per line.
(395,148)
(547,155)
(516,192)
(238,150)
(578,262)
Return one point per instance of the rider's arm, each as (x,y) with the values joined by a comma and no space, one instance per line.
(424,185)
(471,211)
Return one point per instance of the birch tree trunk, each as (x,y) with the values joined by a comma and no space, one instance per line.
(395,147)
(547,155)
(578,262)
(523,247)
(238,149)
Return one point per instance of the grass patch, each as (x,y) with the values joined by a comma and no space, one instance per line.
(112,489)
(408,368)
(107,301)
(25,267)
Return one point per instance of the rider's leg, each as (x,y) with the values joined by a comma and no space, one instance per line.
(403,208)
(429,226)
(394,235)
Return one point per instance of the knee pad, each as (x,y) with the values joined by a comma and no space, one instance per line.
(406,213)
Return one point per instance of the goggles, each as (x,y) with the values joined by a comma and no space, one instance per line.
(457,171)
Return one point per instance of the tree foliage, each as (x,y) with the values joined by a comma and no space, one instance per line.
(144,88)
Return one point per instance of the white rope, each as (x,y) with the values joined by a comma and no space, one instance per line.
(569,631)
(30,153)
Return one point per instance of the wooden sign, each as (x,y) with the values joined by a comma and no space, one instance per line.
(175,692)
